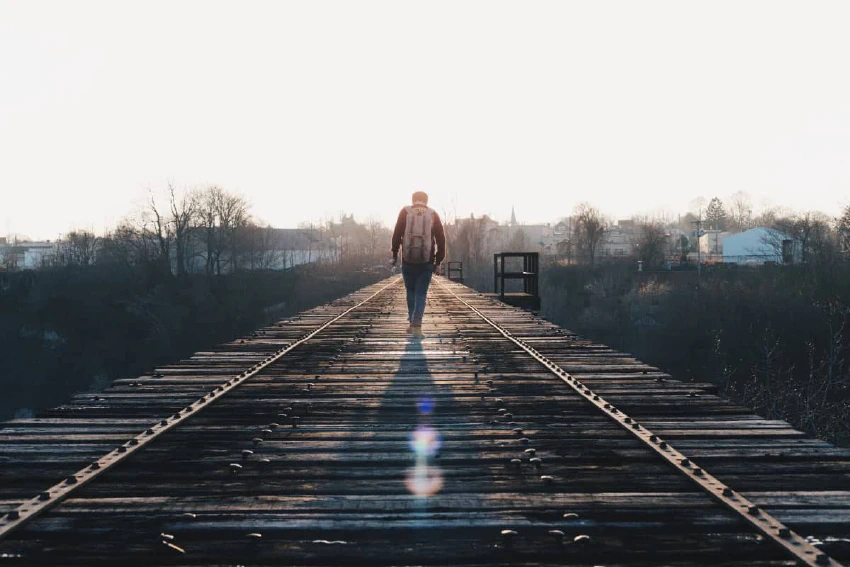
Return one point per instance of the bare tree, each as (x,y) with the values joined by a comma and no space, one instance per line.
(9,255)
(469,240)
(651,242)
(843,230)
(161,230)
(768,216)
(261,245)
(184,210)
(589,228)
(232,210)
(518,241)
(377,237)
(740,211)
(565,249)
(697,206)
(221,215)
(811,230)
(79,248)
(312,236)
(208,221)
(129,245)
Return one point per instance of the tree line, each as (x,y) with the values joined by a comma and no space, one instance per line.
(210,230)
(821,238)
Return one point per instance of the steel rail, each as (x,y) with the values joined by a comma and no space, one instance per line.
(795,545)
(36,506)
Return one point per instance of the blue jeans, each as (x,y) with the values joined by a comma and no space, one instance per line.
(417,278)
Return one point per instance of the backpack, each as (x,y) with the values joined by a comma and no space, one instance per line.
(417,244)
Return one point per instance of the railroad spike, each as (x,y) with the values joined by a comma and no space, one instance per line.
(172,547)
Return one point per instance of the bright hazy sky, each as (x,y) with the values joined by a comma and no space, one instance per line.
(311,108)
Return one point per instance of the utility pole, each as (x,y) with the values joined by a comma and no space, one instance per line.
(698,224)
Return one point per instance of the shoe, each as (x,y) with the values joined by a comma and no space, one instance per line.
(409,328)
(417,332)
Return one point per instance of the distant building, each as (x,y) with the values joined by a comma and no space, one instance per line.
(268,249)
(562,229)
(711,241)
(27,255)
(760,245)
(619,240)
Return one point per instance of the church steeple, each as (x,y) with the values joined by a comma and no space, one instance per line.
(513,217)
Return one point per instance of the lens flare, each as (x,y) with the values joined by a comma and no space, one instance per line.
(424,481)
(425,442)
(425,405)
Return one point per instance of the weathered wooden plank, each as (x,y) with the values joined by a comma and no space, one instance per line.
(345,471)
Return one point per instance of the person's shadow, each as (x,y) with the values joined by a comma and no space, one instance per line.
(410,409)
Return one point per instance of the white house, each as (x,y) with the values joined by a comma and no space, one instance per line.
(27,255)
(759,245)
(711,241)
(619,240)
(272,249)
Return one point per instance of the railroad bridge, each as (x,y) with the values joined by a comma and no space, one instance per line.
(332,438)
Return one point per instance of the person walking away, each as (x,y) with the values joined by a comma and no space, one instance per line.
(420,235)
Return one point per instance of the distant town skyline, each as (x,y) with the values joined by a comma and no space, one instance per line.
(311,109)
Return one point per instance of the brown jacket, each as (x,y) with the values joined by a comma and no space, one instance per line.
(438,235)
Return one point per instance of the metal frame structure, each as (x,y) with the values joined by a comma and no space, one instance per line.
(530,296)
(454,271)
